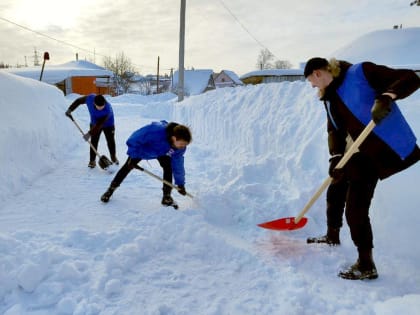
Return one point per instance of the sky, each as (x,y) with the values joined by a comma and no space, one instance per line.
(259,154)
(219,34)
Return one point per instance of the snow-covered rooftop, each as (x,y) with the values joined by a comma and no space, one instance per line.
(56,73)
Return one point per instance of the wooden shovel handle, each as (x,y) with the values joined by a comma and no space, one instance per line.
(353,148)
(161,179)
(90,143)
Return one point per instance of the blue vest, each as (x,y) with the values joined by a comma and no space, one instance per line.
(358,96)
(96,114)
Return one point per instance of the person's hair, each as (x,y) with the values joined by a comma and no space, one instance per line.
(318,63)
(181,132)
(99,100)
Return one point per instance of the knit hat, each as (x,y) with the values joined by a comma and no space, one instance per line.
(99,100)
(315,63)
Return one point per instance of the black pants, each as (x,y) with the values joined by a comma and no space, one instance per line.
(354,192)
(109,133)
(165,163)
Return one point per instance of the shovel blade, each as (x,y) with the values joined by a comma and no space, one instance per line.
(285,224)
(104,162)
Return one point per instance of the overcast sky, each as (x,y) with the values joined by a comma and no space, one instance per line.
(220,34)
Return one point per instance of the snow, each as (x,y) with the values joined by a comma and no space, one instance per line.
(195,81)
(56,73)
(390,47)
(258,153)
(273,72)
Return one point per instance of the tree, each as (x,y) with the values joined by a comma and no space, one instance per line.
(415,2)
(123,70)
(282,64)
(264,58)
(264,61)
(3,65)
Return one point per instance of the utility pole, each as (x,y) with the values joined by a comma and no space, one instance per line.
(36,60)
(157,79)
(181,52)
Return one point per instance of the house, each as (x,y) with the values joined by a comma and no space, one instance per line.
(226,78)
(81,77)
(273,75)
(195,81)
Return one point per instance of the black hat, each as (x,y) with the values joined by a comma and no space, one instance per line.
(99,100)
(314,64)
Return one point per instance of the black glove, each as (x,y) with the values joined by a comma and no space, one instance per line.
(86,136)
(332,171)
(381,108)
(181,190)
(68,114)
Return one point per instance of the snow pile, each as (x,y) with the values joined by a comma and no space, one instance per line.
(394,47)
(258,153)
(33,138)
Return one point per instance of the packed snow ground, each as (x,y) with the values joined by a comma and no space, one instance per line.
(258,153)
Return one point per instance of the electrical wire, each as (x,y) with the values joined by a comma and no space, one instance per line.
(64,42)
(244,28)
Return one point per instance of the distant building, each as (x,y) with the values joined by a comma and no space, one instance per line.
(81,77)
(195,81)
(226,78)
(273,75)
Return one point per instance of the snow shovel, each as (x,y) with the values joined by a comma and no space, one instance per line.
(103,161)
(292,223)
(160,179)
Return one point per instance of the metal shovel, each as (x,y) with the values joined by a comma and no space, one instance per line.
(292,223)
(103,161)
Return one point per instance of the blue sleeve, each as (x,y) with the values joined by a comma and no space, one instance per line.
(178,168)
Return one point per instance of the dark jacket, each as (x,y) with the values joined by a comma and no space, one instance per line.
(342,121)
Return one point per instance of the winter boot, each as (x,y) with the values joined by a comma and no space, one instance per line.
(331,238)
(115,160)
(107,195)
(92,164)
(364,268)
(168,201)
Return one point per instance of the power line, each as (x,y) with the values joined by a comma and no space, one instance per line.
(63,42)
(45,35)
(244,28)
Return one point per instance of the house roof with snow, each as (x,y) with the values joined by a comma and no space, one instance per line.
(391,47)
(272,73)
(56,73)
(233,76)
(195,81)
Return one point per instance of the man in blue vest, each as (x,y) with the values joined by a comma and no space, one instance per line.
(354,94)
(162,141)
(101,119)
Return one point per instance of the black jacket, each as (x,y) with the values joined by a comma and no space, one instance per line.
(382,79)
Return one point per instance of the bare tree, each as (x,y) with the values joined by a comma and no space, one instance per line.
(123,70)
(3,65)
(264,59)
(282,64)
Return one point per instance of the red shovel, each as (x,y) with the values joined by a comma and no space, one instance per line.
(287,224)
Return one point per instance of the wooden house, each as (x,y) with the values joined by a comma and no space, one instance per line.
(81,77)
(226,78)
(273,75)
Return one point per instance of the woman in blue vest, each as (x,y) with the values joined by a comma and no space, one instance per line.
(101,119)
(163,141)
(354,94)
